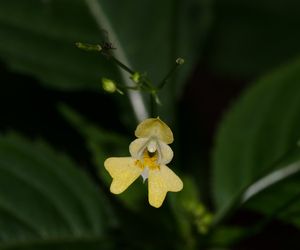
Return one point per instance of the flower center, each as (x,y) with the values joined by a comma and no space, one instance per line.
(150,159)
(151,146)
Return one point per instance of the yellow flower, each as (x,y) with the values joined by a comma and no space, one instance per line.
(149,155)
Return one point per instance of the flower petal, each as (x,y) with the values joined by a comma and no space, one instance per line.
(165,153)
(124,171)
(136,148)
(160,181)
(154,127)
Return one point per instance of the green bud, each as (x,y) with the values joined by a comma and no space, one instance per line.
(199,210)
(203,224)
(190,206)
(207,219)
(202,229)
(136,77)
(88,47)
(109,85)
(180,61)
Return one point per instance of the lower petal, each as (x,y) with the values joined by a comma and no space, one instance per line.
(161,181)
(124,171)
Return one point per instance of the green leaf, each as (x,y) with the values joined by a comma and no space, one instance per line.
(284,182)
(225,236)
(165,31)
(46,201)
(259,130)
(38,39)
(253,36)
(181,204)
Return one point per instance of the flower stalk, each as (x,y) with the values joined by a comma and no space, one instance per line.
(140,81)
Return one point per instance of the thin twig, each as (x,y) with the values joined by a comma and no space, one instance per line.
(135,97)
(176,65)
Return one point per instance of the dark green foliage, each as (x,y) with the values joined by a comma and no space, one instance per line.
(45,199)
(241,173)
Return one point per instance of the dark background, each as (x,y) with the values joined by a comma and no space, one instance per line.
(227,45)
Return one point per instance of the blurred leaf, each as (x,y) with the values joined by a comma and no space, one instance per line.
(253,36)
(225,236)
(259,130)
(281,179)
(103,144)
(180,207)
(285,167)
(283,182)
(165,31)
(46,202)
(38,38)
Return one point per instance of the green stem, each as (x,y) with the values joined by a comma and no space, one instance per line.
(127,87)
(153,106)
(120,64)
(228,209)
(171,72)
(135,97)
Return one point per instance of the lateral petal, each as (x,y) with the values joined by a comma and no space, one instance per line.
(161,181)
(165,153)
(136,148)
(124,171)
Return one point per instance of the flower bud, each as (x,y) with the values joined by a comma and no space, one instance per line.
(136,77)
(180,61)
(109,85)
(88,47)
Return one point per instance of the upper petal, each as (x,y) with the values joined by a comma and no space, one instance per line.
(154,127)
(160,181)
(124,171)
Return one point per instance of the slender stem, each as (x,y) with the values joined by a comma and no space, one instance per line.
(153,106)
(135,97)
(127,87)
(120,64)
(171,72)
(228,209)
